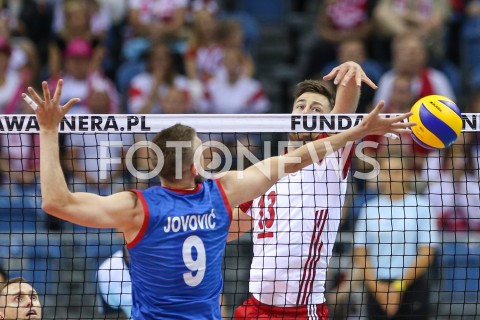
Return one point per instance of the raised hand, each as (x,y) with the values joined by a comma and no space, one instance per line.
(344,72)
(374,124)
(49,112)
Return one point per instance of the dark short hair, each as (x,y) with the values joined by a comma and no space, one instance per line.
(12,281)
(178,132)
(315,86)
(3,273)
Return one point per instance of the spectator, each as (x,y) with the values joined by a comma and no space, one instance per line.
(195,6)
(20,156)
(410,61)
(353,49)
(19,62)
(232,91)
(114,282)
(394,245)
(401,98)
(175,101)
(117,10)
(426,18)
(455,193)
(148,89)
(19,300)
(470,36)
(35,22)
(204,56)
(102,96)
(337,20)
(77,25)
(25,60)
(80,78)
(97,16)
(10,80)
(232,36)
(9,18)
(160,20)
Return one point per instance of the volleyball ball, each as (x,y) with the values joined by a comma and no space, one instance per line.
(439,122)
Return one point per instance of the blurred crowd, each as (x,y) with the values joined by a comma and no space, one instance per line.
(142,56)
(205,56)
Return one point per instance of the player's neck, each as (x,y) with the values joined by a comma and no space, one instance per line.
(179,185)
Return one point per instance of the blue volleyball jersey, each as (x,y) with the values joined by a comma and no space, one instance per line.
(176,259)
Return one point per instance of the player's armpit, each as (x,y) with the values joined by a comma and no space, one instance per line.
(246,185)
(241,223)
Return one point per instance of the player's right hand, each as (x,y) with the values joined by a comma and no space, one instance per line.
(49,112)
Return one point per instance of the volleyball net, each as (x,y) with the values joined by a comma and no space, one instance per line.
(439,208)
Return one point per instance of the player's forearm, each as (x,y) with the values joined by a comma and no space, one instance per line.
(421,264)
(347,97)
(54,188)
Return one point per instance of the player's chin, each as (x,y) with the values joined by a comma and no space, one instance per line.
(303,136)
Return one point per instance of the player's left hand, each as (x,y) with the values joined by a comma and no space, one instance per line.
(49,112)
(346,71)
(374,124)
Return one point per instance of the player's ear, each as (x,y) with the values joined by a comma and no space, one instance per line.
(194,170)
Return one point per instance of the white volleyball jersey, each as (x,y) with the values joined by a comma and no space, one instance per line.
(295,226)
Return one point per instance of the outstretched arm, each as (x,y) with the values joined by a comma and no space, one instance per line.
(242,186)
(121,211)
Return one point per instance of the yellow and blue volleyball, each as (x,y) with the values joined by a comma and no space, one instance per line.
(439,122)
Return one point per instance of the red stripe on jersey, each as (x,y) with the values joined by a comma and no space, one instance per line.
(246,206)
(309,271)
(317,258)
(224,197)
(146,217)
(306,269)
(348,161)
(313,262)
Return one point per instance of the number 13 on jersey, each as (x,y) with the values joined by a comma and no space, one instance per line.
(266,220)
